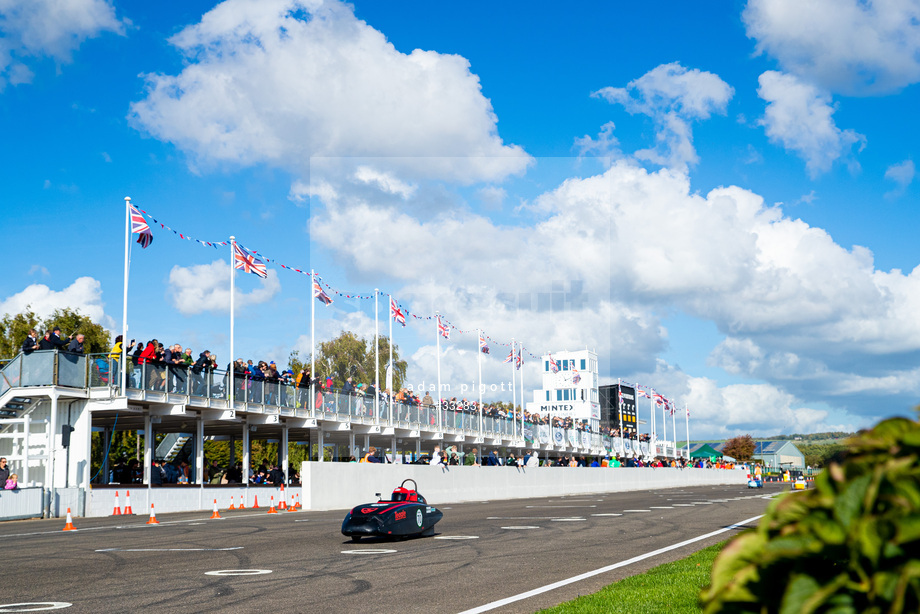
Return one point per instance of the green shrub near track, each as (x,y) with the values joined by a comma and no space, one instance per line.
(852,544)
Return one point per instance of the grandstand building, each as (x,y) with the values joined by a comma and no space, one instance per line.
(569,387)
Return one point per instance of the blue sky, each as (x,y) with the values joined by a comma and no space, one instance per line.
(719,198)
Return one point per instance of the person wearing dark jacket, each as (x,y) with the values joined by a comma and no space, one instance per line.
(276,476)
(31,342)
(76,344)
(156,474)
(200,369)
(53,341)
(491,460)
(303,388)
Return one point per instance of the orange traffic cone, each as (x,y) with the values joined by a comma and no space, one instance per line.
(128,511)
(117,510)
(281,504)
(255,505)
(215,514)
(153,516)
(271,509)
(232,507)
(293,506)
(242,501)
(298,505)
(69,525)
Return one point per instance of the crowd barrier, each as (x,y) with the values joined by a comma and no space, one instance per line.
(332,486)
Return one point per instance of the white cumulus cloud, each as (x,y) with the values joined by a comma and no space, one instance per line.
(206,287)
(83,295)
(673,97)
(279,81)
(800,118)
(36,29)
(855,47)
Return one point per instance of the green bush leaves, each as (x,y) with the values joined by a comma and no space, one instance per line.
(852,544)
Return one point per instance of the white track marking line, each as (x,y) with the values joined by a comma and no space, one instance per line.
(606,514)
(662,507)
(633,511)
(531,506)
(590,574)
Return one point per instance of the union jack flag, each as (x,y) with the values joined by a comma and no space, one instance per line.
(139,227)
(509,357)
(658,398)
(576,376)
(553,365)
(443,329)
(518,360)
(482,345)
(319,294)
(244,260)
(622,401)
(642,393)
(396,313)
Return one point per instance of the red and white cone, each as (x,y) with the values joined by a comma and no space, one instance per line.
(69,525)
(128,511)
(153,516)
(298,505)
(216,514)
(281,503)
(232,507)
(117,510)
(272,510)
(255,505)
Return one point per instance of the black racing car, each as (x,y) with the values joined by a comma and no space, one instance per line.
(404,515)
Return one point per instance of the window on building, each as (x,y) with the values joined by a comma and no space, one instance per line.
(582,364)
(559,395)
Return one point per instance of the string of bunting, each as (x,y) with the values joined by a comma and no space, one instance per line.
(216,244)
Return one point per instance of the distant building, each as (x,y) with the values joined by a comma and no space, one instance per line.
(569,387)
(777,454)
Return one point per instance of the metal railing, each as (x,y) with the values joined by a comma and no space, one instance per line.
(55,368)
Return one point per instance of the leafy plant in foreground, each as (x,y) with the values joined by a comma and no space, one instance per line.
(852,544)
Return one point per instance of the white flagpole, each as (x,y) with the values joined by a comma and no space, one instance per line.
(513,395)
(651,409)
(664,426)
(674,428)
(687,420)
(479,364)
(123,376)
(376,356)
(521,369)
(437,330)
(392,378)
(620,409)
(232,303)
(313,345)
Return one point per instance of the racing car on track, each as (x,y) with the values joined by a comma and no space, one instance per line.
(405,514)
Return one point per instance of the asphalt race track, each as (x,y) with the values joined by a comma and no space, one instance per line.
(484,552)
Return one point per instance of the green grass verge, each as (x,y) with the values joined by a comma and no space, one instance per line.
(673,588)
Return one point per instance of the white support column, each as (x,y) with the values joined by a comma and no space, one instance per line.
(27,426)
(393,448)
(52,445)
(283,451)
(199,451)
(320,448)
(148,447)
(367,445)
(246,461)
(351,444)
